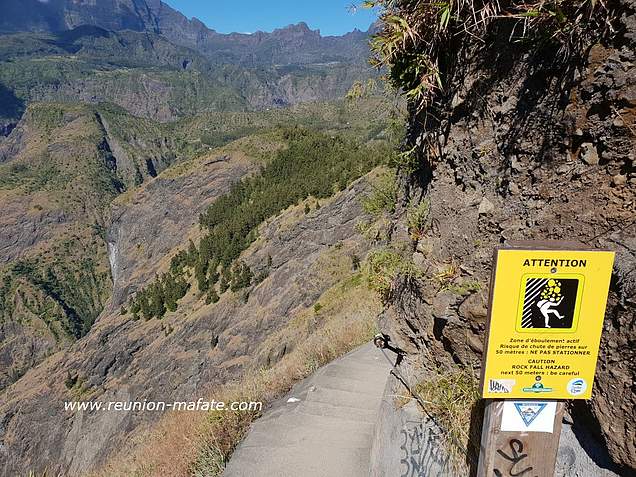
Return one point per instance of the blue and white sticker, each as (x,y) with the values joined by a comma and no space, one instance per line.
(528,416)
(529,410)
(577,386)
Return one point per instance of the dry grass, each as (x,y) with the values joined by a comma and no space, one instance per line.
(188,444)
(450,397)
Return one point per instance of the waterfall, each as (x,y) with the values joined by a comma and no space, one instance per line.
(113,251)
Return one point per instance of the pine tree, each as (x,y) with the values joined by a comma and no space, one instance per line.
(212,297)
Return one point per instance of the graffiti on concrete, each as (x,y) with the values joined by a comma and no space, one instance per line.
(423,452)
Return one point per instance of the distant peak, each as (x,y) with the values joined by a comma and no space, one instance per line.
(300,27)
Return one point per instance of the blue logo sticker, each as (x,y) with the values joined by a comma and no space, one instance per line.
(529,410)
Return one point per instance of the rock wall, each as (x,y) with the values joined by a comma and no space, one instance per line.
(525,147)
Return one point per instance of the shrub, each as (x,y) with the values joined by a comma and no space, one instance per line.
(384,266)
(383,197)
(418,218)
(70,381)
(355,262)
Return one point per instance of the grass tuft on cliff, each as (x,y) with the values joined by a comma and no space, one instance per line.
(451,398)
(418,39)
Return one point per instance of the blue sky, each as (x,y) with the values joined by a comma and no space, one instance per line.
(331,17)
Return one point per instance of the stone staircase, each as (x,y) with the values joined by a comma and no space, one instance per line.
(323,428)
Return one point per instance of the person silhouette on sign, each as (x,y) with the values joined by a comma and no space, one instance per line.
(545,306)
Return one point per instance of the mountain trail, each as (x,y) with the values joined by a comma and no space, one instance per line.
(323,427)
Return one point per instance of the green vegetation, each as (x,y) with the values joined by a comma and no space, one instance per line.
(447,274)
(65,287)
(82,165)
(420,40)
(418,218)
(369,118)
(80,389)
(113,66)
(465,287)
(65,168)
(451,398)
(313,164)
(384,266)
(384,196)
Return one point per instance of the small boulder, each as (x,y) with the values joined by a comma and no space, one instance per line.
(619,180)
(419,259)
(589,155)
(486,207)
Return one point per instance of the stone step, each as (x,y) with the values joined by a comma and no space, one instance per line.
(298,461)
(354,375)
(351,399)
(361,369)
(318,408)
(279,434)
(298,418)
(336,381)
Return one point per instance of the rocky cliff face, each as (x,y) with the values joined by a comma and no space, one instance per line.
(528,148)
(59,170)
(58,15)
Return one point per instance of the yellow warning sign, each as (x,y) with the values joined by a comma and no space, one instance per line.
(546,318)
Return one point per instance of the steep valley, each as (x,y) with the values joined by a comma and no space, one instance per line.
(101,202)
(121,129)
(194,215)
(199,346)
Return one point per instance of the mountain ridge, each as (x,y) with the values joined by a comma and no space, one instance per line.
(297,43)
(156,63)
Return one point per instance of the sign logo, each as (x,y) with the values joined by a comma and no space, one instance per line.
(537,387)
(501,386)
(577,386)
(549,302)
(529,410)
